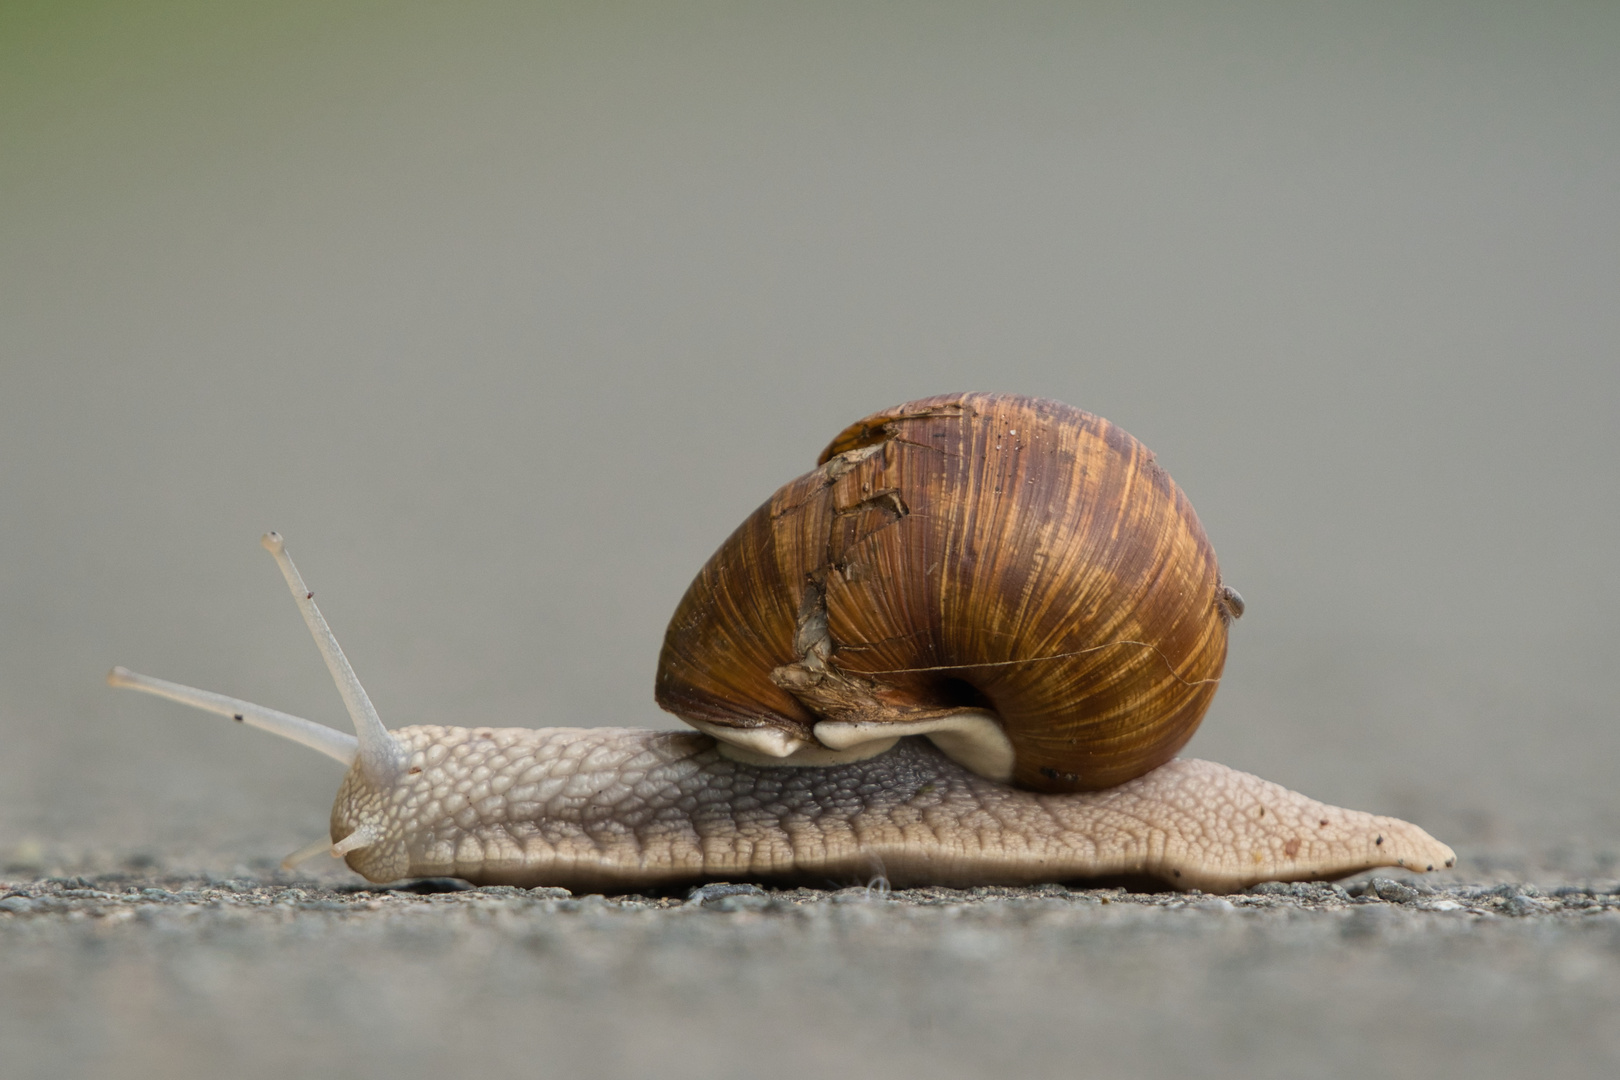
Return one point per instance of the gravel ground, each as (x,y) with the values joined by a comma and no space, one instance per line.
(150,973)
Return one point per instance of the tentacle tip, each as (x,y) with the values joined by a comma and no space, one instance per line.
(119,676)
(273,542)
(303,854)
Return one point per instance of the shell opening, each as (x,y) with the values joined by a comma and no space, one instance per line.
(973,738)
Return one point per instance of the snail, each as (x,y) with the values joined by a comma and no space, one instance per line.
(964,649)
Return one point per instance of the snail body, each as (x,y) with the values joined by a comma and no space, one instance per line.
(620,810)
(963,650)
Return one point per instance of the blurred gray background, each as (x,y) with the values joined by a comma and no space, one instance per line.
(505,314)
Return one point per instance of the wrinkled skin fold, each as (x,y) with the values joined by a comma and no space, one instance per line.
(615,809)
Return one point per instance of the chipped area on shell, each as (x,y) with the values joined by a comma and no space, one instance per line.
(606,807)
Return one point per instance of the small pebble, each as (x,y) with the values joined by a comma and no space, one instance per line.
(1525,905)
(1393,891)
(710,895)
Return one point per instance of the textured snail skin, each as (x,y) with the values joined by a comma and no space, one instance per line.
(619,809)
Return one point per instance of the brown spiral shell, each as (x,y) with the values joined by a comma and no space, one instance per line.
(966,551)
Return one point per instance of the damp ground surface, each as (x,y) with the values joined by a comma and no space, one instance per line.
(158,974)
